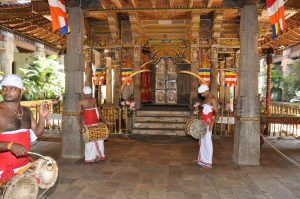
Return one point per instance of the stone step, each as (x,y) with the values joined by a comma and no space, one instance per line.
(160,119)
(159,132)
(163,113)
(159,125)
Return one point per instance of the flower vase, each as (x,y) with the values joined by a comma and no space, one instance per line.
(130,124)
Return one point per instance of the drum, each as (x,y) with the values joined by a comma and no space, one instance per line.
(196,128)
(90,133)
(46,171)
(24,186)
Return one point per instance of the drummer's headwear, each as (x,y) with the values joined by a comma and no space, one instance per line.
(12,80)
(87,90)
(203,88)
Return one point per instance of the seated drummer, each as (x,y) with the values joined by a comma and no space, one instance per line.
(17,128)
(94,150)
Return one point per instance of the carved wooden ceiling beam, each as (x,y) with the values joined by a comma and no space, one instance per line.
(195,25)
(35,30)
(153,2)
(103,4)
(171,3)
(118,3)
(134,3)
(209,4)
(217,24)
(191,4)
(135,25)
(113,23)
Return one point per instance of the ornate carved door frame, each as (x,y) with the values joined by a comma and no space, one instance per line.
(166,81)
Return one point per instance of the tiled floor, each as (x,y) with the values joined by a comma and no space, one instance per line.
(137,168)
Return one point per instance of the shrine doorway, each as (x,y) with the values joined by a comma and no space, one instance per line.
(169,87)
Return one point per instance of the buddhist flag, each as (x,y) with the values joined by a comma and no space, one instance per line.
(126,72)
(59,16)
(204,73)
(95,77)
(276,13)
(230,78)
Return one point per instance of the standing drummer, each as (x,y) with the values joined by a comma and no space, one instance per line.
(210,108)
(17,128)
(94,150)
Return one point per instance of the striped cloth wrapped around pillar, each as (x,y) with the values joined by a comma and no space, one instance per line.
(126,72)
(95,75)
(230,78)
(204,73)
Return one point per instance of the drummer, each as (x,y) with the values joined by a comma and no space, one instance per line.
(94,150)
(17,128)
(210,107)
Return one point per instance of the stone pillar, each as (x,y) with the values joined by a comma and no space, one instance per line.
(72,144)
(214,71)
(41,51)
(194,69)
(7,57)
(137,78)
(117,77)
(246,141)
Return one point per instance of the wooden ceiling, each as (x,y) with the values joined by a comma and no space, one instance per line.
(176,16)
(20,19)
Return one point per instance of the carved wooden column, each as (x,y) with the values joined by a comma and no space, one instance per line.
(117,77)
(108,81)
(194,69)
(246,141)
(222,83)
(269,73)
(7,57)
(214,71)
(195,58)
(72,144)
(137,78)
(88,66)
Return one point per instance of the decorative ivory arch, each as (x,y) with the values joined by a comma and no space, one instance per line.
(98,80)
(144,64)
(193,74)
(128,78)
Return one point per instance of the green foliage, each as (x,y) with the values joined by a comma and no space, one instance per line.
(291,82)
(43,78)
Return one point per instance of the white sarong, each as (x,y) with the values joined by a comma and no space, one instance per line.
(94,150)
(206,149)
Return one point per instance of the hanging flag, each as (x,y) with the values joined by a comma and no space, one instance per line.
(126,72)
(230,78)
(101,80)
(59,16)
(204,73)
(276,12)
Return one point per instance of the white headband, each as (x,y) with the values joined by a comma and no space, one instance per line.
(203,88)
(87,90)
(12,80)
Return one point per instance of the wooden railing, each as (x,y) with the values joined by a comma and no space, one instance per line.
(283,121)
